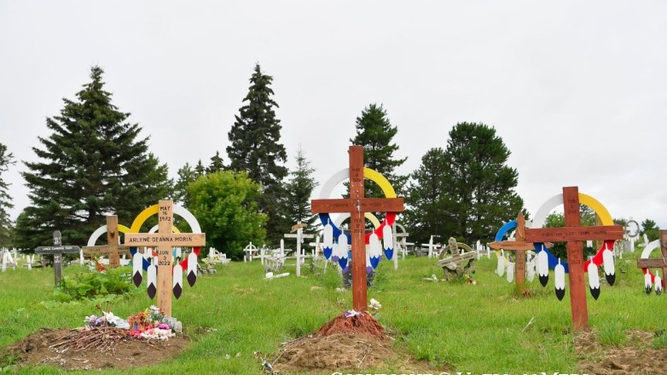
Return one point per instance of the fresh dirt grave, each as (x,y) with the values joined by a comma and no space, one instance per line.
(56,347)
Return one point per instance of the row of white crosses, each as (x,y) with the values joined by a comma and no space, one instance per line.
(8,259)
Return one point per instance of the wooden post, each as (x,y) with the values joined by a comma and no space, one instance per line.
(357,205)
(657,262)
(165,240)
(520,246)
(57,251)
(573,233)
(113,248)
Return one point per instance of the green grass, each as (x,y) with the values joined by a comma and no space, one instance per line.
(482,328)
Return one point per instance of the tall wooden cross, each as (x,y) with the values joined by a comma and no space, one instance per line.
(520,246)
(657,262)
(357,205)
(165,240)
(573,233)
(113,248)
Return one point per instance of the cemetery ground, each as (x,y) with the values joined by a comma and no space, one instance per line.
(235,319)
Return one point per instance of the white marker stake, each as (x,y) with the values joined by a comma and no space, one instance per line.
(543,267)
(609,268)
(192,268)
(510,272)
(151,280)
(500,268)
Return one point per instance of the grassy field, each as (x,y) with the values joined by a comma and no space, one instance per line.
(482,328)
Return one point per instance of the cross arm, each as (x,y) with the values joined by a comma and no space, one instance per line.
(611,232)
(349,205)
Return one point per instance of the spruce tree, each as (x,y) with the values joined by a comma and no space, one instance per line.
(375,133)
(256,149)
(217,164)
(92,164)
(299,191)
(479,185)
(6,224)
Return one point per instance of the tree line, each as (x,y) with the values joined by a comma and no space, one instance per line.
(94,163)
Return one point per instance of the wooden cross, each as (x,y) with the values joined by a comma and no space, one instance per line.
(657,262)
(57,250)
(299,236)
(112,249)
(520,246)
(164,240)
(573,233)
(357,205)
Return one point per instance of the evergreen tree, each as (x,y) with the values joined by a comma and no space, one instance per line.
(375,133)
(651,230)
(6,224)
(217,164)
(427,202)
(186,175)
(200,170)
(479,185)
(299,191)
(92,165)
(256,149)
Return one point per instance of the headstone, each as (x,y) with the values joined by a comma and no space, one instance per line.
(165,240)
(573,234)
(57,250)
(357,205)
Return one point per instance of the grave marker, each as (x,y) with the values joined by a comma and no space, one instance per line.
(57,250)
(661,263)
(299,236)
(113,248)
(573,234)
(357,205)
(519,246)
(164,240)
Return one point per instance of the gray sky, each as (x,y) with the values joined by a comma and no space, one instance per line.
(576,90)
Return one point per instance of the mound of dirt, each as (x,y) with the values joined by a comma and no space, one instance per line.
(345,343)
(69,350)
(636,357)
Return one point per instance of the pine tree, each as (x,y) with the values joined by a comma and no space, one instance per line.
(186,176)
(480,187)
(6,224)
(375,133)
(92,165)
(217,164)
(299,191)
(256,149)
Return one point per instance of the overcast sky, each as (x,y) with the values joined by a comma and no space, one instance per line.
(576,89)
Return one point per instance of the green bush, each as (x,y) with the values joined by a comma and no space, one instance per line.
(94,284)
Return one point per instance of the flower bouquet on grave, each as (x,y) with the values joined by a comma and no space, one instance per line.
(152,324)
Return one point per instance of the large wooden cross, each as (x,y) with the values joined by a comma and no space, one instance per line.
(357,205)
(165,240)
(657,262)
(113,249)
(573,233)
(520,246)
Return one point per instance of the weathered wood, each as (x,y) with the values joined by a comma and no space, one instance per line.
(520,246)
(112,249)
(573,234)
(57,251)
(457,258)
(357,205)
(164,240)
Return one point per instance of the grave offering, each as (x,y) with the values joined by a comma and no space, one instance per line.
(356,205)
(113,249)
(646,263)
(57,250)
(168,277)
(457,264)
(573,234)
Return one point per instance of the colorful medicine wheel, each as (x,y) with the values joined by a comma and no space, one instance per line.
(153,210)
(382,229)
(604,255)
(645,261)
